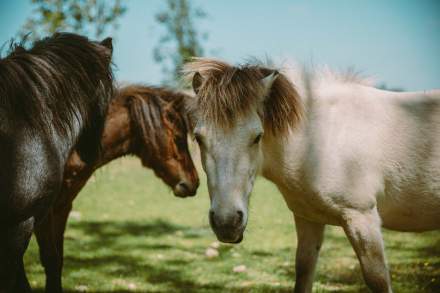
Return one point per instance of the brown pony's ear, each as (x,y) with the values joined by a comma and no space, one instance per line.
(197,82)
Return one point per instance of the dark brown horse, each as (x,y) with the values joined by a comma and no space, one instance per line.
(53,98)
(149,123)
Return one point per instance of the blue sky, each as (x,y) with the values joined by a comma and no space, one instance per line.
(394,41)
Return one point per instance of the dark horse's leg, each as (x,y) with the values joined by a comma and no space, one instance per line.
(50,237)
(12,248)
(22,283)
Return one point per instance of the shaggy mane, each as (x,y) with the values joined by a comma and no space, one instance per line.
(62,82)
(350,75)
(148,107)
(227,92)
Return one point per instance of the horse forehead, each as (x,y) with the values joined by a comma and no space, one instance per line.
(242,126)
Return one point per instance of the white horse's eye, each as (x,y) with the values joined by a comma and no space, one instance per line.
(257,139)
(198,138)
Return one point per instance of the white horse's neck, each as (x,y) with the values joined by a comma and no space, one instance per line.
(284,157)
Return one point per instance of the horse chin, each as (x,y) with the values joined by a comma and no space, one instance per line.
(185,189)
(181,191)
(233,238)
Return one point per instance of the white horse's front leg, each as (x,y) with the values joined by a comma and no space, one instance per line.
(310,237)
(363,231)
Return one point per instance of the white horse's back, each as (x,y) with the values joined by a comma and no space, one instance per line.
(411,199)
(362,146)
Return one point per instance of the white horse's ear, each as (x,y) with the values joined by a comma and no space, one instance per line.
(268,82)
(197,82)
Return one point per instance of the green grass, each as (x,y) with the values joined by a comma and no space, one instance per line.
(130,234)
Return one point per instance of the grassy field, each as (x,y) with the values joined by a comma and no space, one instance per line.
(128,233)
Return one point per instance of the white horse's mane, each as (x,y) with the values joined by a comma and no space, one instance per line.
(297,72)
(225,92)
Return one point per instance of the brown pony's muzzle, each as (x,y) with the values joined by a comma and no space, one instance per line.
(189,179)
(186,188)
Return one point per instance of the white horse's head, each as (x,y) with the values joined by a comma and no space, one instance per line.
(235,109)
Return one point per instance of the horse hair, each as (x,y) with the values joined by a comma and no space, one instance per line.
(60,83)
(147,106)
(226,92)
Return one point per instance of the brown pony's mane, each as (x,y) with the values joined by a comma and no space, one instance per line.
(144,121)
(225,92)
(148,107)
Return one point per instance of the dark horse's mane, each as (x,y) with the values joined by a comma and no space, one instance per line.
(58,85)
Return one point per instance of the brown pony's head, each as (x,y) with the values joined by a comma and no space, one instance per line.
(160,130)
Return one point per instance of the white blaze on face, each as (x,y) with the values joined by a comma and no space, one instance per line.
(231,159)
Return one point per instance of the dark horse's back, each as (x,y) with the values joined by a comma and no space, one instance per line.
(53,98)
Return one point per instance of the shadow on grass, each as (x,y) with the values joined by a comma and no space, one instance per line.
(122,243)
(40,290)
(114,235)
(108,229)
(116,245)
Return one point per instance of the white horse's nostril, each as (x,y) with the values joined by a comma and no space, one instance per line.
(211,218)
(228,227)
(240,217)
(231,221)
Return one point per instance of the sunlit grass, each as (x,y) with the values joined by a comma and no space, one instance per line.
(130,234)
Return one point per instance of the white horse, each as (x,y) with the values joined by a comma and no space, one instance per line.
(341,153)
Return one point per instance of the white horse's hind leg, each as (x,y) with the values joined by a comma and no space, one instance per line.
(363,231)
(310,237)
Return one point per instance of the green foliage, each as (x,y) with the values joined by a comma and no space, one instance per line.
(88,17)
(130,234)
(181,40)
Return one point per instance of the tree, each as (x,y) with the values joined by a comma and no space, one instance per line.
(88,17)
(181,41)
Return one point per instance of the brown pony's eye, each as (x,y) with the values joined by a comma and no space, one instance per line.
(257,139)
(171,117)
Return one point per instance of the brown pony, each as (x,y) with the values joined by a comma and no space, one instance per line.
(147,122)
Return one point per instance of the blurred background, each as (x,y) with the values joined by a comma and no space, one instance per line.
(128,233)
(397,42)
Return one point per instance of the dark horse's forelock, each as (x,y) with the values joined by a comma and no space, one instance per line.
(61,84)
